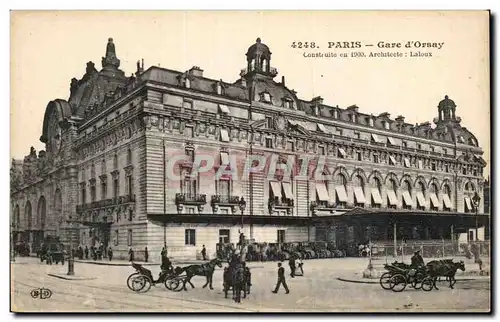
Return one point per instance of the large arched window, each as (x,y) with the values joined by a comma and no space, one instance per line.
(433,195)
(392,199)
(420,189)
(406,191)
(358,187)
(376,193)
(28,215)
(447,198)
(42,212)
(341,190)
(58,205)
(468,195)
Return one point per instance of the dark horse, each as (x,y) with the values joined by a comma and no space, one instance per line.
(445,268)
(238,278)
(206,270)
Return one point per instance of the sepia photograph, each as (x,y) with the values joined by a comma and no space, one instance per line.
(250,161)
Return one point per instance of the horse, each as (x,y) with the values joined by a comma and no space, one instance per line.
(206,270)
(446,268)
(238,278)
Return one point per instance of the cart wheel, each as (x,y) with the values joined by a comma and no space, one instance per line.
(180,285)
(129,280)
(417,280)
(385,280)
(171,283)
(427,284)
(141,283)
(397,283)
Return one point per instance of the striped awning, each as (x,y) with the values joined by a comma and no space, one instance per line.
(393,200)
(322,191)
(407,198)
(342,152)
(276,188)
(224,109)
(468,204)
(376,138)
(420,199)
(377,199)
(359,195)
(322,128)
(447,201)
(287,188)
(341,193)
(407,162)
(224,135)
(434,200)
(391,141)
(392,159)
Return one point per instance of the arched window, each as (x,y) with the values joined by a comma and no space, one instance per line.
(29,218)
(358,187)
(447,190)
(376,193)
(129,156)
(420,188)
(115,161)
(219,89)
(406,191)
(103,166)
(264,65)
(341,190)
(433,195)
(392,199)
(341,180)
(468,195)
(252,64)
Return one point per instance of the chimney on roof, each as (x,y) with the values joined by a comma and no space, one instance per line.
(317,100)
(283,80)
(196,71)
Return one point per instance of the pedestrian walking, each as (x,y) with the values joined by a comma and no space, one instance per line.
(110,254)
(281,280)
(204,253)
(86,252)
(146,254)
(131,255)
(291,263)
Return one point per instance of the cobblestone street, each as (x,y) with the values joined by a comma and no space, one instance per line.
(318,290)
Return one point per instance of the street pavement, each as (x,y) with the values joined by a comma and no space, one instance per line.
(318,291)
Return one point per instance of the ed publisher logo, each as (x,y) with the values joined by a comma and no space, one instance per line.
(41,293)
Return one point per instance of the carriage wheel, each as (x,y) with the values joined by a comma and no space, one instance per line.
(427,284)
(397,283)
(129,280)
(385,280)
(141,283)
(180,285)
(171,283)
(417,279)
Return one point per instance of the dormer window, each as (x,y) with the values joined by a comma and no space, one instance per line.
(265,97)
(219,89)
(370,121)
(187,83)
(386,125)
(352,118)
(335,114)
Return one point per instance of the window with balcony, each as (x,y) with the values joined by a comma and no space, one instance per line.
(92,193)
(190,237)
(103,167)
(104,188)
(224,188)
(116,188)
(469,193)
(130,185)
(376,158)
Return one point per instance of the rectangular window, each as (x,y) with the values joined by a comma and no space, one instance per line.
(224,236)
(84,196)
(269,143)
(129,237)
(190,211)
(224,211)
(357,135)
(359,156)
(404,144)
(433,167)
(130,187)
(104,189)
(464,171)
(281,236)
(290,146)
(375,158)
(190,237)
(224,188)
(419,146)
(187,105)
(190,155)
(92,193)
(269,122)
(116,237)
(445,151)
(322,150)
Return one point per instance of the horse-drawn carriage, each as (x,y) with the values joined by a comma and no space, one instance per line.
(142,280)
(399,275)
(52,251)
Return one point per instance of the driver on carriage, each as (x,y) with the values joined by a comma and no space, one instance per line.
(417,260)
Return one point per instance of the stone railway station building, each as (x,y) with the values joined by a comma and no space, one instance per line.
(103,174)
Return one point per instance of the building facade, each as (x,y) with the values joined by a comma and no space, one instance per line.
(136,161)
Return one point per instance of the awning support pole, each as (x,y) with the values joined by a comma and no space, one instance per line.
(395,239)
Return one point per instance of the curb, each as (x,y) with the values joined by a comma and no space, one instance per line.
(72,278)
(377,282)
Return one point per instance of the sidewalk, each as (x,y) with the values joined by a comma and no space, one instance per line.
(123,262)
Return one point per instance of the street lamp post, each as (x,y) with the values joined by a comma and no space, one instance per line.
(242,204)
(71,263)
(476,199)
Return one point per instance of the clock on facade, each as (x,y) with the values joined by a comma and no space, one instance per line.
(54,134)
(280,123)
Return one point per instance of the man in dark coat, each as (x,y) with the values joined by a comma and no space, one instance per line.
(417,260)
(281,280)
(204,253)
(291,263)
(146,254)
(131,255)
(110,254)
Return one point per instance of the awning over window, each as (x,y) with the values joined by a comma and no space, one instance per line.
(376,196)
(420,199)
(434,200)
(292,122)
(224,136)
(407,163)
(322,191)
(392,160)
(461,139)
(322,128)
(407,198)
(376,138)
(468,204)
(342,152)
(287,188)
(224,158)
(447,201)
(341,193)
(393,200)
(224,109)
(391,141)
(276,188)
(359,195)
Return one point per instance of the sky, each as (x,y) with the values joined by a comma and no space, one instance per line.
(50,48)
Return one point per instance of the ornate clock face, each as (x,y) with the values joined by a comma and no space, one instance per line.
(54,134)
(281,123)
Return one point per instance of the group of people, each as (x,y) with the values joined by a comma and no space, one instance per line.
(97,252)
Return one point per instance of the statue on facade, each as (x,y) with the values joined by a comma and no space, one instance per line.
(73,86)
